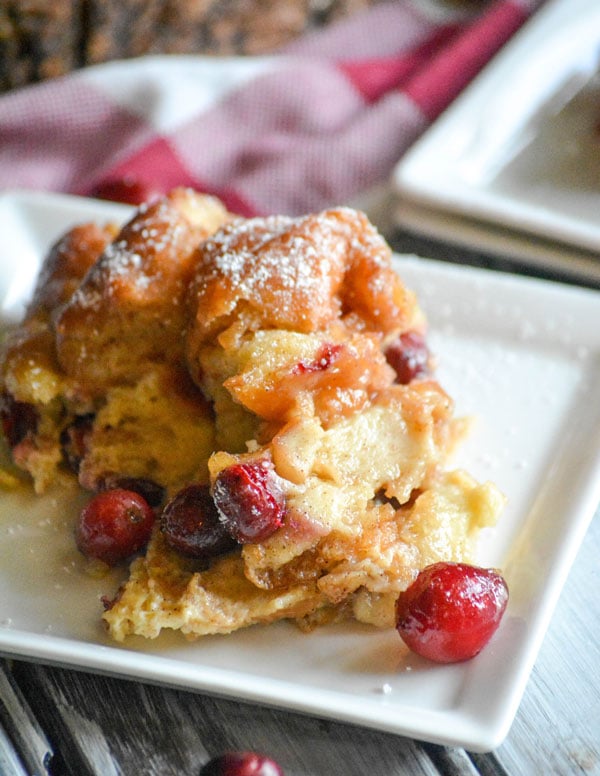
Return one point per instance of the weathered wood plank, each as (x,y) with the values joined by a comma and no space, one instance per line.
(22,728)
(557,729)
(452,762)
(10,762)
(105,726)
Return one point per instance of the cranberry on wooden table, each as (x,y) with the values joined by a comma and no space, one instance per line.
(241,764)
(451,611)
(190,523)
(251,505)
(113,525)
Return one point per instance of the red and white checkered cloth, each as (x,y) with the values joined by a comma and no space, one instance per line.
(316,125)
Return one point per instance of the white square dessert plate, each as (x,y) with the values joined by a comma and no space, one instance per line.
(513,165)
(522,356)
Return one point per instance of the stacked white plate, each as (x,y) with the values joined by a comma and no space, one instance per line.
(513,166)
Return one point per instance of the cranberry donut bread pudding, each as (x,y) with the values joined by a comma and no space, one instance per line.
(265,383)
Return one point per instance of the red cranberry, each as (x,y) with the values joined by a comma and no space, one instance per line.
(19,419)
(451,611)
(190,523)
(409,356)
(114,525)
(130,191)
(241,764)
(251,506)
(326,356)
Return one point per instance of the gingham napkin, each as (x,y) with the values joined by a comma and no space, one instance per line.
(316,125)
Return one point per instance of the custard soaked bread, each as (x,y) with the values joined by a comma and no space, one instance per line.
(268,379)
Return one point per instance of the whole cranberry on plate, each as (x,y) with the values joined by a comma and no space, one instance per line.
(451,611)
(241,764)
(113,525)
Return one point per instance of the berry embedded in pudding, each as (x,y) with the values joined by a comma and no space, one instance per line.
(249,502)
(191,524)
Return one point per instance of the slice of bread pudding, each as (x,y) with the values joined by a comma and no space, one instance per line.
(265,383)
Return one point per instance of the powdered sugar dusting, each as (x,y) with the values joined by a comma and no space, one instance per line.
(293,266)
(139,258)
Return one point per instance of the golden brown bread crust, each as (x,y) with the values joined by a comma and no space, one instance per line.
(165,590)
(128,313)
(101,341)
(273,300)
(66,265)
(297,274)
(33,384)
(33,343)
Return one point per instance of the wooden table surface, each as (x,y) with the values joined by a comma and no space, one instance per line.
(57,722)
